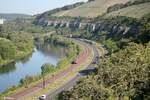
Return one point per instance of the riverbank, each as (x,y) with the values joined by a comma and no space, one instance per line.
(23,55)
(72,52)
(14,50)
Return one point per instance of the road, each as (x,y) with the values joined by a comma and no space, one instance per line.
(52,94)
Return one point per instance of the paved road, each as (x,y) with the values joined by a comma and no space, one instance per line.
(52,94)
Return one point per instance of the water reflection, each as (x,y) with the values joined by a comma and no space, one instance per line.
(51,49)
(7,68)
(26,59)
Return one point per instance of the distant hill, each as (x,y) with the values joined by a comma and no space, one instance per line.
(106,8)
(91,9)
(101,8)
(61,9)
(13,16)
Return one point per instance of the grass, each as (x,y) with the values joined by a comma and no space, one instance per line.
(135,11)
(90,9)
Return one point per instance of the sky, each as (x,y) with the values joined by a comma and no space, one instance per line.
(32,6)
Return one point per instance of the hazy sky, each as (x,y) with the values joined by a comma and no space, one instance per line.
(32,6)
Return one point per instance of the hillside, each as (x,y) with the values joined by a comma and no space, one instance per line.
(13,16)
(135,11)
(90,9)
(61,9)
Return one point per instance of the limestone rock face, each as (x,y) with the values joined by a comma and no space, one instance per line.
(112,28)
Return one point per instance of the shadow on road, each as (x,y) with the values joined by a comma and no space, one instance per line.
(87,71)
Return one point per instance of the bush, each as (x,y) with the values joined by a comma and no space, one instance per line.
(111,45)
(48,68)
(29,79)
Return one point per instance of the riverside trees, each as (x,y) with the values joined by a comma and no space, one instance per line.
(15,46)
(7,50)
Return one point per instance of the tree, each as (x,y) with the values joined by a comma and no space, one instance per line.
(7,51)
(46,68)
(111,45)
(43,72)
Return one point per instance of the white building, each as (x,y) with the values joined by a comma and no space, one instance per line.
(1,21)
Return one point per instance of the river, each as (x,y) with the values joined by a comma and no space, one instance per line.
(43,53)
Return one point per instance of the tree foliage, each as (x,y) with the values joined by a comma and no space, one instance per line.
(7,49)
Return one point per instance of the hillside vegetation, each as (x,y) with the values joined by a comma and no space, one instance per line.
(90,9)
(135,11)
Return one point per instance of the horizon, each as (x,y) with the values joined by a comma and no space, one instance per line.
(34,6)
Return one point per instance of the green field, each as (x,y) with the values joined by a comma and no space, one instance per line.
(90,9)
(135,11)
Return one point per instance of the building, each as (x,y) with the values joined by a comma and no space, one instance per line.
(1,21)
